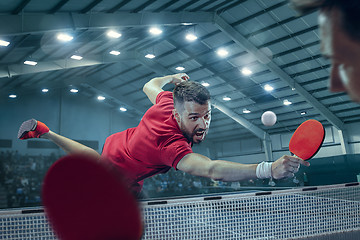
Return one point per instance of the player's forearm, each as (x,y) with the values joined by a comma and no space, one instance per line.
(159,82)
(200,165)
(231,171)
(154,87)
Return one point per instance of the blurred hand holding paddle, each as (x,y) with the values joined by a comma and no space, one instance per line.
(85,199)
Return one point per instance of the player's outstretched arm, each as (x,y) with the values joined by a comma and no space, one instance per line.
(220,170)
(199,165)
(155,85)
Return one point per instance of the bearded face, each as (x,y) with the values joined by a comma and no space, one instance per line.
(194,120)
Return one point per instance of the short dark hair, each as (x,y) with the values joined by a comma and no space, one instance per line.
(350,11)
(189,91)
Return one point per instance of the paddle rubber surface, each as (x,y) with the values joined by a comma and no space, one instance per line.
(307,139)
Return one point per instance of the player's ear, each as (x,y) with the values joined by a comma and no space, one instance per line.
(176,115)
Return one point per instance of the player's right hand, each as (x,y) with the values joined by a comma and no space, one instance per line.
(287,166)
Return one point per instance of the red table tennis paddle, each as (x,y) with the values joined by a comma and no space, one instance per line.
(307,139)
(85,199)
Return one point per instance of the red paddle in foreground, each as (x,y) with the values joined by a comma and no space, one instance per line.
(84,199)
(307,139)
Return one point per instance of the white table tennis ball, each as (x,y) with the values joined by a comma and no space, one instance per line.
(268,118)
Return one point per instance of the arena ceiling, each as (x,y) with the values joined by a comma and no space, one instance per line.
(266,38)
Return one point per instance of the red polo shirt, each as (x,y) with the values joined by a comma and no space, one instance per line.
(153,147)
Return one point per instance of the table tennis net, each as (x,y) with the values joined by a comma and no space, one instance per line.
(327,212)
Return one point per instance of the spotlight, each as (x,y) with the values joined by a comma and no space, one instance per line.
(268,88)
(222,52)
(113,34)
(245,71)
(31,63)
(113,52)
(64,37)
(76,57)
(155,31)
(150,56)
(287,102)
(226,98)
(4,43)
(191,37)
(179,68)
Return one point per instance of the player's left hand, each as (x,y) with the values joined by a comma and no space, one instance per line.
(287,166)
(179,77)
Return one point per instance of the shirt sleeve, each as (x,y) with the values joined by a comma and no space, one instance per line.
(164,96)
(172,153)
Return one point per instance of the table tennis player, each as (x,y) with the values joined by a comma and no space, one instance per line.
(340,41)
(164,138)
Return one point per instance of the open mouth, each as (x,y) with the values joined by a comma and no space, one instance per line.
(200,135)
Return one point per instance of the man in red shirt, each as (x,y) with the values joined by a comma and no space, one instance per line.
(164,137)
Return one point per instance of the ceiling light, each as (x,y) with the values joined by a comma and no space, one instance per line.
(245,71)
(4,43)
(268,88)
(113,34)
(113,52)
(287,102)
(64,37)
(155,31)
(205,84)
(101,98)
(12,96)
(74,90)
(303,113)
(191,37)
(246,110)
(31,63)
(179,68)
(76,57)
(123,109)
(226,98)
(45,90)
(150,56)
(222,52)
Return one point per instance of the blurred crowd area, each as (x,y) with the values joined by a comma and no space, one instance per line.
(176,183)
(21,177)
